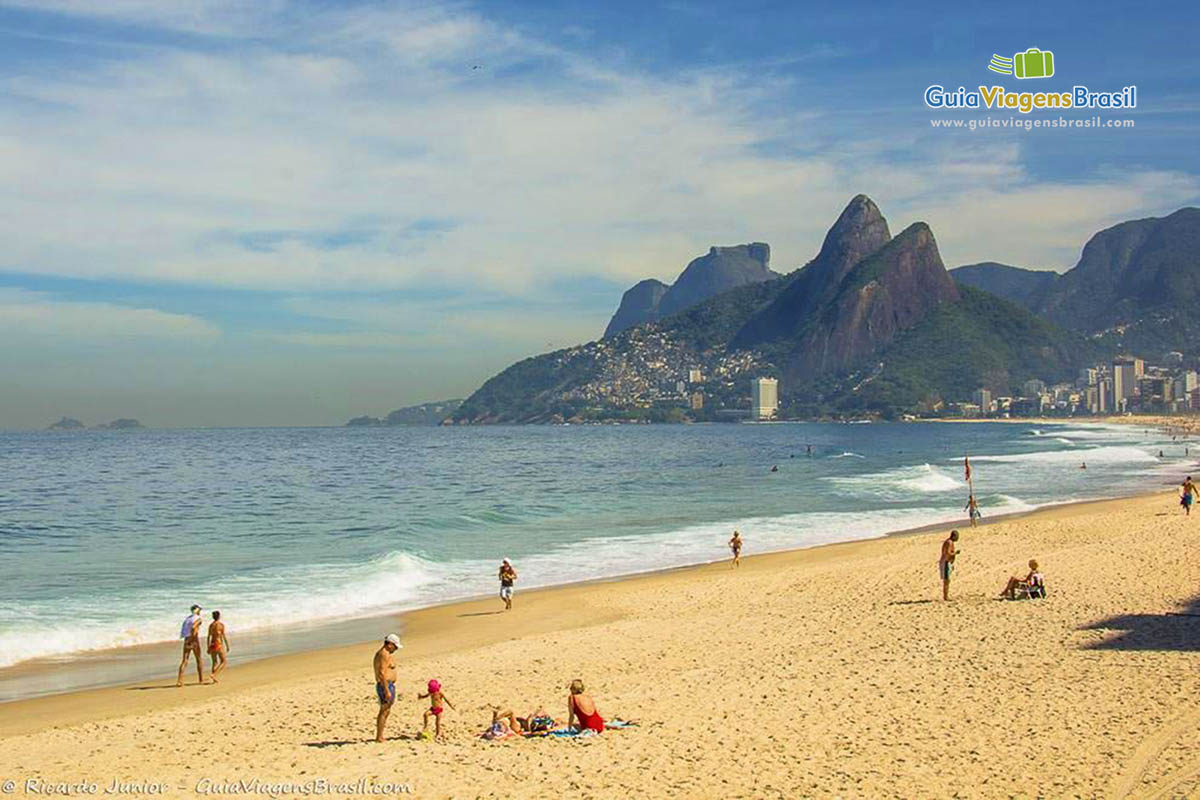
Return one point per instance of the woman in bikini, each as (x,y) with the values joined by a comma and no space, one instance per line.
(218,645)
(582,707)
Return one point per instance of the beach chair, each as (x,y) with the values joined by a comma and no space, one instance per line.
(1035,589)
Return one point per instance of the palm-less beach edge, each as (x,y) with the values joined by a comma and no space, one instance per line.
(833,670)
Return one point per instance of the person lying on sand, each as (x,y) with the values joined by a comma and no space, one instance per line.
(535,722)
(582,708)
(1015,583)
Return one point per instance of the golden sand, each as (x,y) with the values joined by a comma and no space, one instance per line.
(823,673)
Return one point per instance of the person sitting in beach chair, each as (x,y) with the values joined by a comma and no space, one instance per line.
(1033,585)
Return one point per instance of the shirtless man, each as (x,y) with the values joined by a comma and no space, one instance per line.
(385,681)
(946,563)
(1188,495)
(735,544)
(190,633)
(218,645)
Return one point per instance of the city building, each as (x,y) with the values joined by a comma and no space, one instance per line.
(1034,387)
(1125,375)
(695,376)
(764,398)
(983,399)
(697,401)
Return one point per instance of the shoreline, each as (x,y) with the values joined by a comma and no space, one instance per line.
(829,671)
(112,700)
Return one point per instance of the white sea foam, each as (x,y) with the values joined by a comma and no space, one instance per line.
(901,482)
(260,600)
(848,454)
(1126,454)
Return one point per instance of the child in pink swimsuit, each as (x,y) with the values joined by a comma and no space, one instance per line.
(436,698)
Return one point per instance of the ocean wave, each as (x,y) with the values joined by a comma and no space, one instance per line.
(1098,455)
(901,481)
(848,454)
(264,599)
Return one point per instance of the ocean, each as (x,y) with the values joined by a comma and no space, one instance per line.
(107,537)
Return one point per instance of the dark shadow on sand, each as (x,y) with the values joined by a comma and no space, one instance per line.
(481,614)
(165,686)
(404,737)
(910,602)
(1175,630)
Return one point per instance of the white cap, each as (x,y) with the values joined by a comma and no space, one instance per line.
(393,639)
(506,561)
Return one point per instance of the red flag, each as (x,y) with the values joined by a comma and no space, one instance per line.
(967,469)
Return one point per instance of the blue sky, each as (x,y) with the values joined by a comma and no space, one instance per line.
(245,213)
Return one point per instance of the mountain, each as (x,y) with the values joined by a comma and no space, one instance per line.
(638,305)
(721,269)
(858,313)
(716,272)
(859,231)
(872,323)
(66,424)
(978,341)
(1025,287)
(424,414)
(434,413)
(1136,285)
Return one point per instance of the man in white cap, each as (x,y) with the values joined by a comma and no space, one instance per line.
(190,634)
(385,680)
(508,576)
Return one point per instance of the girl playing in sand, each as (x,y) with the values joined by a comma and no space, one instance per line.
(436,698)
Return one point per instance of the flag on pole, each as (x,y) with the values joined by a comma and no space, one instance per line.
(967,468)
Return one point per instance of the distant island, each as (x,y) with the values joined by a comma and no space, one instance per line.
(71,424)
(123,424)
(426,414)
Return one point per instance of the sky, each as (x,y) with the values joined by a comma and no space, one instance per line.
(270,212)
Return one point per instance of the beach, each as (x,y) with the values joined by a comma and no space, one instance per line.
(832,671)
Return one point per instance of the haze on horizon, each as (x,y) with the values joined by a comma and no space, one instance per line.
(292,213)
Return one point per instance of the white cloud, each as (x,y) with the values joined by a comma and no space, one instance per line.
(37,317)
(373,119)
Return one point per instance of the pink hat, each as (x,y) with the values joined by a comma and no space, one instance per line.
(434,686)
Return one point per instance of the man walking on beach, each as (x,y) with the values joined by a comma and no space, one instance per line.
(946,562)
(735,544)
(190,633)
(1189,495)
(508,576)
(385,681)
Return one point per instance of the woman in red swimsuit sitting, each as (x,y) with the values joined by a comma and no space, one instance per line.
(582,707)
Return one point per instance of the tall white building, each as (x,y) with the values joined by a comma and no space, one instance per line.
(764,398)
(1125,375)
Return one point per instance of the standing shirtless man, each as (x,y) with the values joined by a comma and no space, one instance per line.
(385,681)
(190,633)
(946,562)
